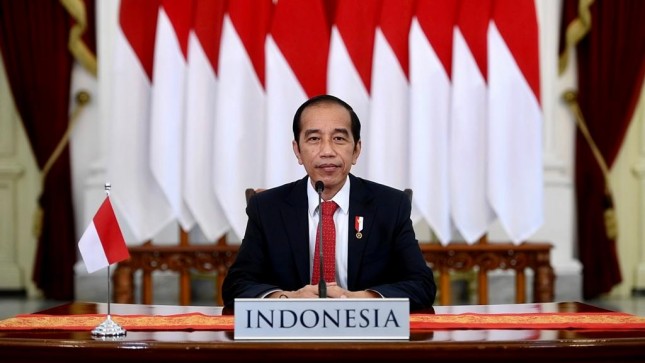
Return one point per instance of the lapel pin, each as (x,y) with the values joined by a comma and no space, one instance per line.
(358,225)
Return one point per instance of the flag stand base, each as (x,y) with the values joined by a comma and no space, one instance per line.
(108,328)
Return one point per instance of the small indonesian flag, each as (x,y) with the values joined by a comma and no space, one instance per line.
(358,225)
(102,243)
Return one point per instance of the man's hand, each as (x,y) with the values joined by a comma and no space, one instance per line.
(335,291)
(308,291)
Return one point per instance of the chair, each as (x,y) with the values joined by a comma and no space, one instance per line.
(485,256)
(183,259)
(481,257)
(249,192)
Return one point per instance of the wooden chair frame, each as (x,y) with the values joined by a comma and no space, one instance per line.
(481,257)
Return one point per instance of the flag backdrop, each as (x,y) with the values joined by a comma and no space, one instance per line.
(514,159)
(201,105)
(137,195)
(350,60)
(469,204)
(208,90)
(430,92)
(167,118)
(240,111)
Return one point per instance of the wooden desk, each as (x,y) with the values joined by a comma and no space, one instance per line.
(427,346)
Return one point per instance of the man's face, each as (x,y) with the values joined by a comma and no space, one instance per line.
(327,148)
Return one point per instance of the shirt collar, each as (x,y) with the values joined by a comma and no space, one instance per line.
(341,198)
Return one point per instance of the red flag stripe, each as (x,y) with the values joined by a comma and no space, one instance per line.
(110,234)
(517,24)
(356,22)
(252,28)
(396,29)
(301,32)
(473,20)
(208,16)
(138,20)
(437,20)
(180,15)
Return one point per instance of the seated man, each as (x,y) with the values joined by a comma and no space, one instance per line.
(376,252)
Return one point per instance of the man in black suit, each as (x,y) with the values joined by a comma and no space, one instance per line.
(377,254)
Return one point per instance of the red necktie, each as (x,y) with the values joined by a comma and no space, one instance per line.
(329,245)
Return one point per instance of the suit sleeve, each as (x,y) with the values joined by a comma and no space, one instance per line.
(247,276)
(408,274)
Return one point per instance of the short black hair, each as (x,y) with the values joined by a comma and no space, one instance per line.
(356,123)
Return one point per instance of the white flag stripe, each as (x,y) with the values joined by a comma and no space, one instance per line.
(201,96)
(471,211)
(388,156)
(167,119)
(284,96)
(515,144)
(429,130)
(92,250)
(239,130)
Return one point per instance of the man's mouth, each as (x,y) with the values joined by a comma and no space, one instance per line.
(327,167)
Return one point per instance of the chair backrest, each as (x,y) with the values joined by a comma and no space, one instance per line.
(249,192)
(408,192)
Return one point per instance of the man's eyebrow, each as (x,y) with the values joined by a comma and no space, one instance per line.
(311,131)
(343,131)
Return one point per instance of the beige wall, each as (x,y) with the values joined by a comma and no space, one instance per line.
(628,181)
(19,188)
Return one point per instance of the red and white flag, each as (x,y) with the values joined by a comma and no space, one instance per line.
(296,51)
(239,130)
(388,156)
(449,103)
(515,182)
(140,199)
(430,70)
(102,243)
(350,61)
(167,121)
(471,212)
(201,107)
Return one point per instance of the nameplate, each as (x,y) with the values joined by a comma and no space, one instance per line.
(322,319)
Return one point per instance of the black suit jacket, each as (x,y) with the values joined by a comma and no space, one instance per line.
(274,253)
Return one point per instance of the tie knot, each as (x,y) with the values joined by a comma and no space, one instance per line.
(328,208)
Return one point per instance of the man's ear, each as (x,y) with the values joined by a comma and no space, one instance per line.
(296,151)
(357,152)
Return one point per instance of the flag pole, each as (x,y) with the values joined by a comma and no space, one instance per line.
(107,188)
(108,328)
(108,291)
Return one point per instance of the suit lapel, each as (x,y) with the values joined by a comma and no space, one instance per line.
(360,205)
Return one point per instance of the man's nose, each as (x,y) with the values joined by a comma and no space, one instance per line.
(327,147)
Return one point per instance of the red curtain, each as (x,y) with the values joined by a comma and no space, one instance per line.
(611,66)
(33,40)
